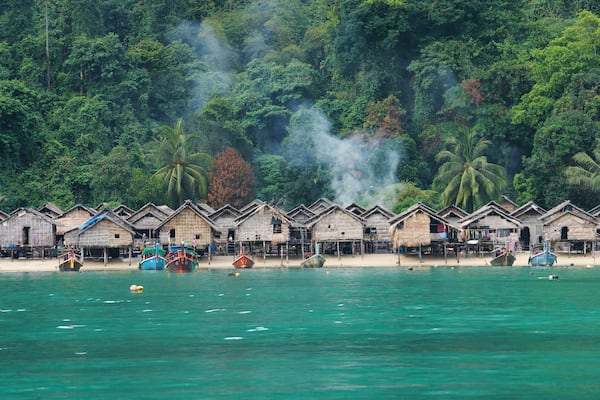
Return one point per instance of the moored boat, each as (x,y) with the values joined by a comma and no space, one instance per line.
(153,258)
(314,261)
(181,259)
(504,258)
(71,261)
(545,258)
(243,261)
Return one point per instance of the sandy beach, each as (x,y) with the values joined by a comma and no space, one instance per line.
(358,261)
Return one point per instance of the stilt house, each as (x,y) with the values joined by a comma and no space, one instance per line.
(264,230)
(28,232)
(187,225)
(377,229)
(338,230)
(532,232)
(570,228)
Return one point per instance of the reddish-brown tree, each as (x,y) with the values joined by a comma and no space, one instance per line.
(231,180)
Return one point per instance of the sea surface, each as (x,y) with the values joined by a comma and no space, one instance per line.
(357,333)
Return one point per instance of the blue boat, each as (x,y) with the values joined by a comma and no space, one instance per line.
(153,258)
(543,258)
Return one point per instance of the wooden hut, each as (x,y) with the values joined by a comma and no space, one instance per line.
(27,232)
(420,230)
(187,225)
(145,222)
(104,235)
(570,228)
(532,227)
(50,210)
(452,214)
(377,229)
(72,218)
(338,230)
(321,205)
(356,209)
(300,235)
(264,230)
(123,211)
(490,226)
(508,204)
(225,233)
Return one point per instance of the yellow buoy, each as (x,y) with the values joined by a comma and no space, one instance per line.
(136,288)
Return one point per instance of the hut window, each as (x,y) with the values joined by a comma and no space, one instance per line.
(564,233)
(172,233)
(117,236)
(257,237)
(26,230)
(276,228)
(197,236)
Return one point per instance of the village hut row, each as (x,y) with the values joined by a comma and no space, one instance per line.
(266,230)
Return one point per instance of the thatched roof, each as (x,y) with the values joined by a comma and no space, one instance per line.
(321,205)
(73,218)
(300,215)
(356,209)
(412,227)
(492,208)
(149,216)
(50,209)
(188,205)
(123,211)
(528,208)
(377,210)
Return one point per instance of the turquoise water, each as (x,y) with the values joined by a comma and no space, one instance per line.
(373,333)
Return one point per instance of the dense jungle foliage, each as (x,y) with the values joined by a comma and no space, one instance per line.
(367,101)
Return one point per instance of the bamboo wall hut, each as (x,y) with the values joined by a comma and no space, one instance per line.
(72,218)
(338,230)
(146,220)
(321,205)
(187,225)
(377,229)
(225,233)
(105,234)
(490,226)
(420,229)
(300,235)
(532,229)
(264,229)
(27,231)
(570,228)
(50,210)
(452,214)
(123,211)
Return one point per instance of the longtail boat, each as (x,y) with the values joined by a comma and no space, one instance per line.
(181,259)
(71,261)
(153,258)
(243,261)
(544,258)
(504,257)
(315,261)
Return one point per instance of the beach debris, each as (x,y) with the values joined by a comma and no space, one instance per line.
(236,274)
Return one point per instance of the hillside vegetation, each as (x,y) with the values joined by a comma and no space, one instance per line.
(367,101)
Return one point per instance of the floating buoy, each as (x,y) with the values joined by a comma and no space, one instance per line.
(234,274)
(136,288)
(552,277)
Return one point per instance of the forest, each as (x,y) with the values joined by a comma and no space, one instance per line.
(386,102)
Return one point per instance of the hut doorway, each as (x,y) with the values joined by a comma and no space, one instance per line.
(525,238)
(26,230)
(564,233)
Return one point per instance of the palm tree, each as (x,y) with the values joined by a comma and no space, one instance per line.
(586,172)
(468,180)
(184,172)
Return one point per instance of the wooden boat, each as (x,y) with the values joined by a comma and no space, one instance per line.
(543,258)
(243,261)
(153,258)
(506,258)
(181,259)
(314,261)
(72,261)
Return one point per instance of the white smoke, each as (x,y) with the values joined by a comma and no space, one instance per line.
(359,168)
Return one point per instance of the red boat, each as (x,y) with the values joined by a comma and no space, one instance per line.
(243,261)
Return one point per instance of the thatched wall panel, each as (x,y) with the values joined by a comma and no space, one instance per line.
(578,228)
(41,232)
(337,226)
(382,223)
(258,227)
(189,228)
(71,220)
(105,233)
(414,232)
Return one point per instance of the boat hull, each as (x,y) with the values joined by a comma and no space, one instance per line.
(243,261)
(503,260)
(70,265)
(316,261)
(181,264)
(153,264)
(546,259)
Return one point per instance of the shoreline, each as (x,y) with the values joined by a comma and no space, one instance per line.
(358,261)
